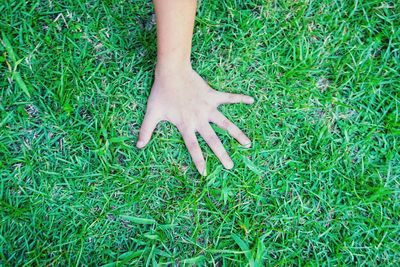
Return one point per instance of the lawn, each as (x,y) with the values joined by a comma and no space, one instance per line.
(320,185)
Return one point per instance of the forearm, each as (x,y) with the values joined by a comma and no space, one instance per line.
(175,21)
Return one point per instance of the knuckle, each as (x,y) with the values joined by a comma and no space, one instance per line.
(225,155)
(178,124)
(183,127)
(198,162)
(231,96)
(243,137)
(226,125)
(192,145)
(213,139)
(236,132)
(226,160)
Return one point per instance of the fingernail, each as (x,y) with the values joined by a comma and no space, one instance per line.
(205,172)
(247,145)
(251,100)
(229,165)
(139,144)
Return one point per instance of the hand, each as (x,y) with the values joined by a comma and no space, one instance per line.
(188,102)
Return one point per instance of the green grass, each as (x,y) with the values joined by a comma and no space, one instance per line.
(320,186)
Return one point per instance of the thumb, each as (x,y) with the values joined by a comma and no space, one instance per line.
(146,130)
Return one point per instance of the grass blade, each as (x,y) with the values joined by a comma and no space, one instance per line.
(138,220)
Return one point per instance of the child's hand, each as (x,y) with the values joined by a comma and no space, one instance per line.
(187,101)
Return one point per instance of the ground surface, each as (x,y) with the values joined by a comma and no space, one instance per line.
(320,184)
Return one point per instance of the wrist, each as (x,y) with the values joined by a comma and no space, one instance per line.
(172,68)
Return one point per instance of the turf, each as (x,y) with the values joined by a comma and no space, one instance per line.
(320,186)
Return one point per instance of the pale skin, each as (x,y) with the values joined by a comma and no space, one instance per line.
(179,95)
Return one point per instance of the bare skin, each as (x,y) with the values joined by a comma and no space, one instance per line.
(179,95)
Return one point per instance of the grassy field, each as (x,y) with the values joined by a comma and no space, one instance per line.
(320,186)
